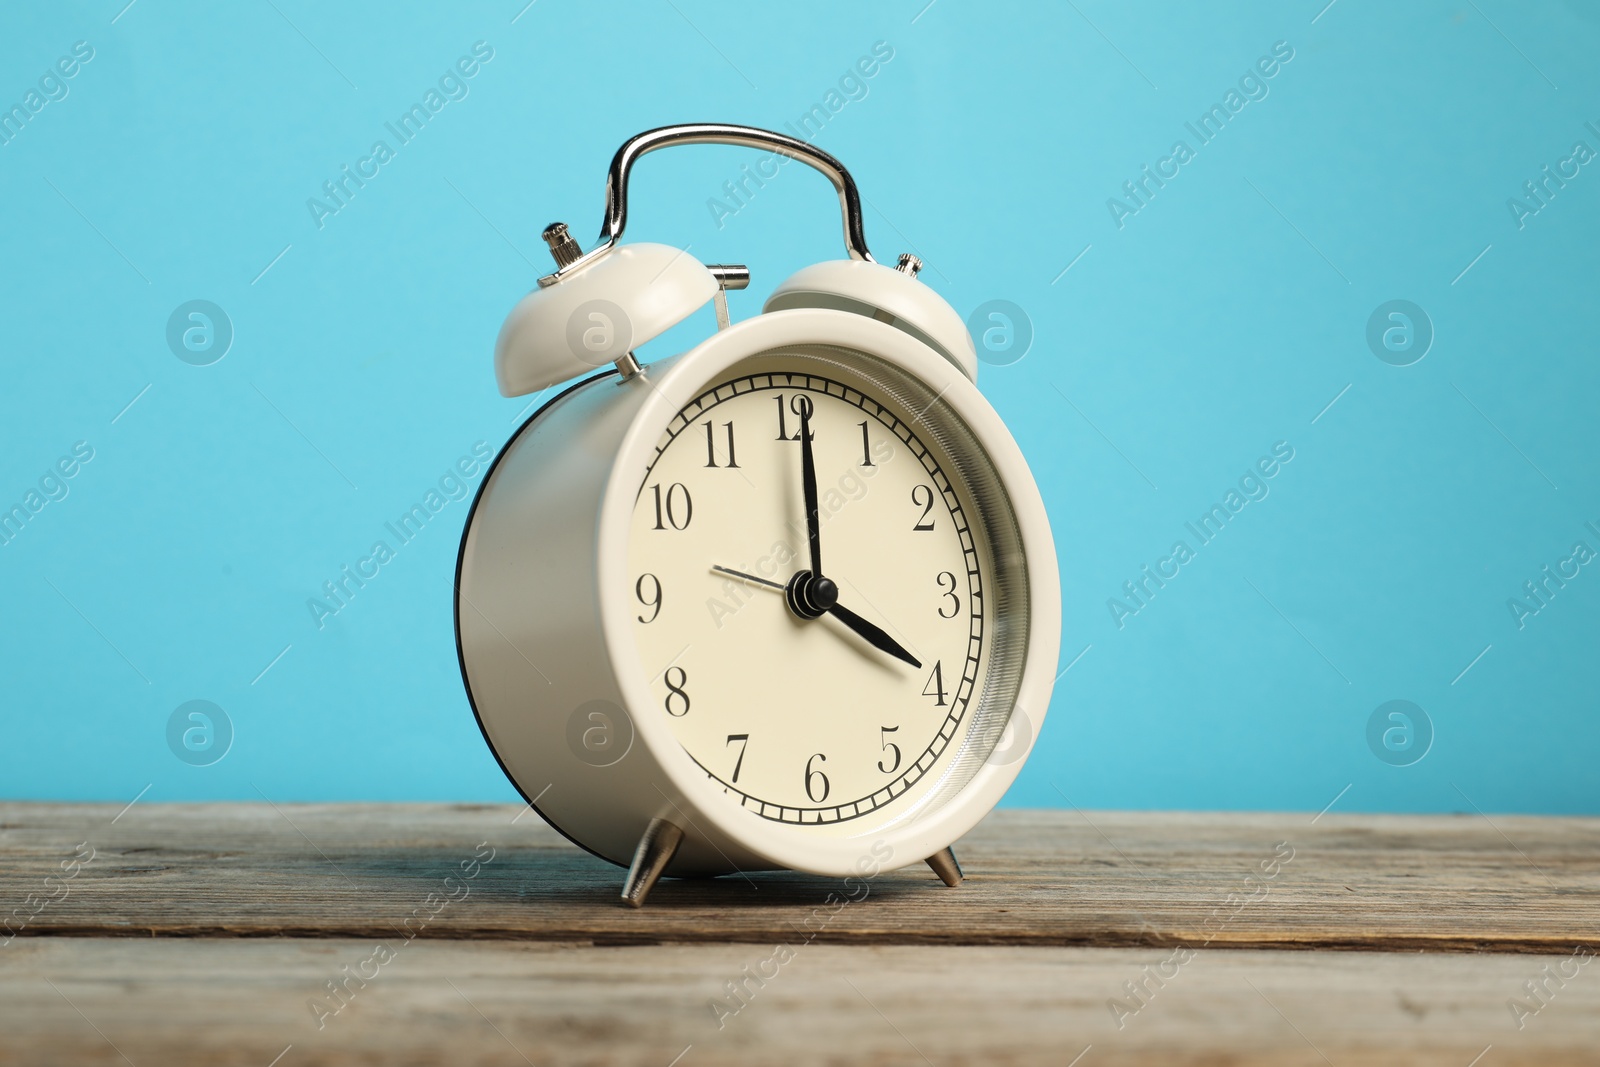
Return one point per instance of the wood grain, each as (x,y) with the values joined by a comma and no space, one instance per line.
(246,1002)
(1439,883)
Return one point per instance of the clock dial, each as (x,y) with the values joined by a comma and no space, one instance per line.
(840,698)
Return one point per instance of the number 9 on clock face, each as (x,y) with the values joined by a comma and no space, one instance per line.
(842,672)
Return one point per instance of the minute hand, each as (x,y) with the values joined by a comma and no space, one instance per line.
(808,483)
(873,635)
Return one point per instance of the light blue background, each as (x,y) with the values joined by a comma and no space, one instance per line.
(1223,317)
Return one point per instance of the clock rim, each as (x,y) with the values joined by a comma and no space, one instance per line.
(687,376)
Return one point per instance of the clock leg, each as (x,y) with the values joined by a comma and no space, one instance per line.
(945,866)
(655,851)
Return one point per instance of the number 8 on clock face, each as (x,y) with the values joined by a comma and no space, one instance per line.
(803,720)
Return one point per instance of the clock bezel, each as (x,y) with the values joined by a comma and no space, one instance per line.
(674,384)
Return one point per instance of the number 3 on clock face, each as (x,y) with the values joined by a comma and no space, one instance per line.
(802,716)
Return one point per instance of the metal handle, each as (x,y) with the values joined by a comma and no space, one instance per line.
(745,136)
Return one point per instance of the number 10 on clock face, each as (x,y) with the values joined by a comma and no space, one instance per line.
(813,626)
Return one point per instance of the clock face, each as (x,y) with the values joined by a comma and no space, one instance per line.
(846,703)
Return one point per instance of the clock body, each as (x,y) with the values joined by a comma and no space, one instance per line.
(620,677)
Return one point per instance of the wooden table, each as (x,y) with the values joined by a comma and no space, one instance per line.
(259,934)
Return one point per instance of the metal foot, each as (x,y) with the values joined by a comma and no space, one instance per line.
(655,851)
(945,866)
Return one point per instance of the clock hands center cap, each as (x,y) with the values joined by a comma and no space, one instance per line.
(810,595)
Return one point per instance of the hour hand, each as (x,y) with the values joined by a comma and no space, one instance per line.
(872,634)
(811,597)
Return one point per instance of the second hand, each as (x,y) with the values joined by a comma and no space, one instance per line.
(748,577)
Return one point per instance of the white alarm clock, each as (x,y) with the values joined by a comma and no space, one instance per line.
(787,600)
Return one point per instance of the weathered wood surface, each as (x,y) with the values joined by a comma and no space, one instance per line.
(248,1002)
(1440,883)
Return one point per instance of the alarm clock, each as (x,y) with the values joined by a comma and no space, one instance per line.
(786,600)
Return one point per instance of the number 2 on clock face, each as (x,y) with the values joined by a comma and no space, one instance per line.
(809,718)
